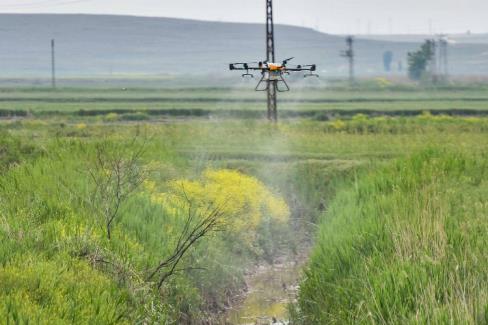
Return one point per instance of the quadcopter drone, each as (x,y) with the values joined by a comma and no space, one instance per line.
(273,73)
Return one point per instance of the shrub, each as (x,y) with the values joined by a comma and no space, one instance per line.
(13,151)
(139,116)
(244,201)
(111,117)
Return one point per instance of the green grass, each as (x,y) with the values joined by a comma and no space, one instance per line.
(46,226)
(51,268)
(241,101)
(404,244)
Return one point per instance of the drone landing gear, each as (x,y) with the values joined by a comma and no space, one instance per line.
(265,83)
(247,74)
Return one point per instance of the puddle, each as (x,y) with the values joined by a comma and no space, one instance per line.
(271,289)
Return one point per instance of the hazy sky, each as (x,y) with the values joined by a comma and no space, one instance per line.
(333,16)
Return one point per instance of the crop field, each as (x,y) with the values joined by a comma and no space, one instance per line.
(177,206)
(240,101)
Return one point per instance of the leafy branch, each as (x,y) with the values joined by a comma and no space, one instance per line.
(115,174)
(197,226)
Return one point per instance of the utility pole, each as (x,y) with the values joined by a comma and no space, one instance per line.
(53,64)
(349,54)
(270,57)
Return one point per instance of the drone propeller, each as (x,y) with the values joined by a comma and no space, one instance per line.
(286,60)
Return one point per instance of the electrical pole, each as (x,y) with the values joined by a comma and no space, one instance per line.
(349,54)
(53,64)
(270,57)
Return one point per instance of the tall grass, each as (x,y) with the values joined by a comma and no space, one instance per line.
(404,244)
(57,266)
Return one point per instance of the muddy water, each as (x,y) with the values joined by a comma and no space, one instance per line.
(270,289)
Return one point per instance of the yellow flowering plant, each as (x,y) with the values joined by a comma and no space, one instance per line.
(243,201)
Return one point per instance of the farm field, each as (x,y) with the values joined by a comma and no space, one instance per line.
(242,102)
(368,206)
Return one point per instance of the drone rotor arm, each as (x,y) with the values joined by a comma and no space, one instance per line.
(243,66)
(308,67)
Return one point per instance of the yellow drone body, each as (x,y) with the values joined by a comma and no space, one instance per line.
(275,67)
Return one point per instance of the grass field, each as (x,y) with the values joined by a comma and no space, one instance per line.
(404,244)
(241,101)
(394,205)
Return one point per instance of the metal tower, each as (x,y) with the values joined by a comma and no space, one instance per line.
(349,54)
(53,64)
(270,57)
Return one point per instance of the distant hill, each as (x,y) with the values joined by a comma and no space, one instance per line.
(98,45)
(416,38)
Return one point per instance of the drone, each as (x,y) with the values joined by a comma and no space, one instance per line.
(273,73)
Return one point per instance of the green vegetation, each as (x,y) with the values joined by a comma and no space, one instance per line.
(13,151)
(59,264)
(404,244)
(400,202)
(378,96)
(418,62)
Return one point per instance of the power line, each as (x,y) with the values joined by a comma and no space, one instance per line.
(50,3)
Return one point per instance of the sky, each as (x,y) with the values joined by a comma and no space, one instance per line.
(331,16)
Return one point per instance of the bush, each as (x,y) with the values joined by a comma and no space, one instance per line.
(139,116)
(13,151)
(111,117)
(246,204)
(50,292)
